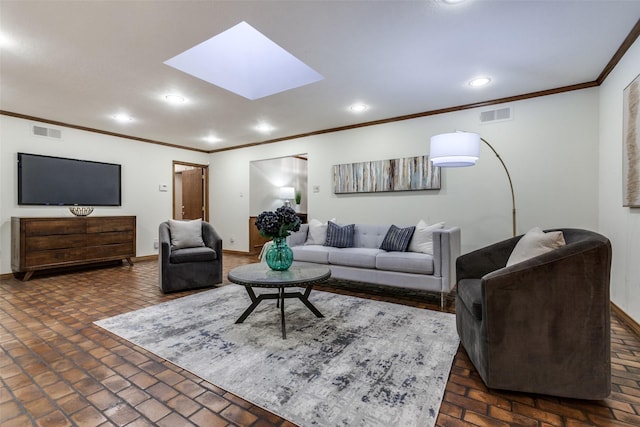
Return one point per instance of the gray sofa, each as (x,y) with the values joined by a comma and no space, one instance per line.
(365,262)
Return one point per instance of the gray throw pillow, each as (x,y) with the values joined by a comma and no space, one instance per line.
(397,239)
(339,236)
(186,234)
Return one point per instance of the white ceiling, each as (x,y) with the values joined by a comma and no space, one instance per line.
(80,62)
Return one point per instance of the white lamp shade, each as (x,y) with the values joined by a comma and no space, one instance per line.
(456,149)
(287,193)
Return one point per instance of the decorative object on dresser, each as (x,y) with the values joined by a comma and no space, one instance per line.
(461,149)
(52,242)
(81,210)
(287,194)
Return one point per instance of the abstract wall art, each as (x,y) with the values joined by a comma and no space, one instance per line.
(631,145)
(405,174)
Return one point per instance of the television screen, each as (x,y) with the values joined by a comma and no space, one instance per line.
(46,180)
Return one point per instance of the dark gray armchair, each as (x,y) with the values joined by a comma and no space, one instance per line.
(542,325)
(189,267)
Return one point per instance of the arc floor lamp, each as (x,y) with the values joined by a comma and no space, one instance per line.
(460,149)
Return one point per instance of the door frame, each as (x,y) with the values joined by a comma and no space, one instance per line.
(205,196)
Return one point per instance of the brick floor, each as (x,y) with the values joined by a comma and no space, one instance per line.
(58,369)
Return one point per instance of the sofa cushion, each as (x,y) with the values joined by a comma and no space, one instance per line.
(186,234)
(369,235)
(339,236)
(179,256)
(317,234)
(470,293)
(535,242)
(355,257)
(405,262)
(397,239)
(422,240)
(312,253)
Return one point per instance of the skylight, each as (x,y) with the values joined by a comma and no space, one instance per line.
(244,61)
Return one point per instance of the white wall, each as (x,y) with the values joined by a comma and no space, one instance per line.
(550,147)
(144,167)
(267,176)
(620,224)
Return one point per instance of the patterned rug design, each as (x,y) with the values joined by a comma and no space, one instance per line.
(366,363)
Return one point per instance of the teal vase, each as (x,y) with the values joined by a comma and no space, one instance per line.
(279,256)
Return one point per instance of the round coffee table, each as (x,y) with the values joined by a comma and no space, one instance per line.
(259,275)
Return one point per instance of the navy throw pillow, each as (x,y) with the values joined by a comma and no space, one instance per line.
(397,239)
(339,236)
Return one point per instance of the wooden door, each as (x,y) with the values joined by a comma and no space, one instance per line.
(193,193)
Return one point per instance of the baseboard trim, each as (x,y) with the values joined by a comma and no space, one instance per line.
(626,319)
(227,251)
(145,258)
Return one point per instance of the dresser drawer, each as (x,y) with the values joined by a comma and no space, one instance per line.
(102,225)
(50,227)
(41,243)
(53,257)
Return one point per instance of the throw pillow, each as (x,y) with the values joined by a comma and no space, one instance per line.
(317,234)
(397,239)
(422,240)
(186,234)
(535,242)
(339,236)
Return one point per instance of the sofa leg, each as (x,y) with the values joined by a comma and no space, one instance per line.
(441,301)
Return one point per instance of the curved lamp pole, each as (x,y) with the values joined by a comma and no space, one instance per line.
(460,149)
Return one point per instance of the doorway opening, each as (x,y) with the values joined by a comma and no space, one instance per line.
(190,191)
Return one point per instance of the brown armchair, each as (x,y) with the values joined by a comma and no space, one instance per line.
(541,325)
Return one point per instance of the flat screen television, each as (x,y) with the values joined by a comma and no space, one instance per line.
(57,181)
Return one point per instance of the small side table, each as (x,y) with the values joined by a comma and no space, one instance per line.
(259,275)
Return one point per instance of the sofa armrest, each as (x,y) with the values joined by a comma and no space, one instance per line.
(297,238)
(446,249)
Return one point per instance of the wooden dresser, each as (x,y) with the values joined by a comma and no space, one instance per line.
(44,243)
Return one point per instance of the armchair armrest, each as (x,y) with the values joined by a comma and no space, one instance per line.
(211,238)
(476,264)
(164,237)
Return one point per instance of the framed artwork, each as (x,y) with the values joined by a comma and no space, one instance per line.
(405,174)
(631,145)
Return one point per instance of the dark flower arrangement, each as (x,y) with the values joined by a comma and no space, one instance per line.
(279,223)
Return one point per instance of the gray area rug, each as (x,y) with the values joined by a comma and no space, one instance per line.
(366,363)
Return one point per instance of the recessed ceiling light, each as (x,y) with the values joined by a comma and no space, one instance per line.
(479,81)
(122,117)
(264,127)
(212,139)
(174,99)
(359,107)
(5,41)
(453,1)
